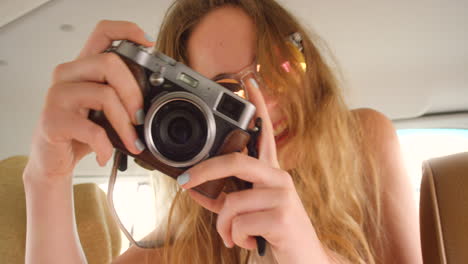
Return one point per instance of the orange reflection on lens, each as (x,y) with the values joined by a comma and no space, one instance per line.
(233,85)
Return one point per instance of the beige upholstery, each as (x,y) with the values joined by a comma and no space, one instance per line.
(444,210)
(99,235)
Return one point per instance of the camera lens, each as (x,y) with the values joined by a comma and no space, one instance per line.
(179,130)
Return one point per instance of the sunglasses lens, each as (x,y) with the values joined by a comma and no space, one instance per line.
(234,86)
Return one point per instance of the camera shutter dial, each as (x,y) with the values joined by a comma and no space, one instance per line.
(157,77)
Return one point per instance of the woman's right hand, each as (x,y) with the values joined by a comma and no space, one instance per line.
(95,80)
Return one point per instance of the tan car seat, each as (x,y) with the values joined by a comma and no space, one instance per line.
(444,210)
(99,234)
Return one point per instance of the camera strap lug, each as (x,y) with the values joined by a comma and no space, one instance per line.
(254,135)
(123,164)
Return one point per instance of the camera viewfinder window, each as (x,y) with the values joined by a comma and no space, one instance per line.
(188,80)
(230,107)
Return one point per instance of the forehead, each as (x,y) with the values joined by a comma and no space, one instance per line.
(222,42)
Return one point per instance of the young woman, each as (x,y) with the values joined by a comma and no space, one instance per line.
(329,185)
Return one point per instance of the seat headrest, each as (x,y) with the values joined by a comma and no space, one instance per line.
(444,209)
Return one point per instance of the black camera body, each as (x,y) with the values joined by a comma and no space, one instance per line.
(188,117)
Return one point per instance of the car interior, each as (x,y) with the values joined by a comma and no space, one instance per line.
(407,60)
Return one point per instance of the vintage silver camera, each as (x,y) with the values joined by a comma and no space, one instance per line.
(187,116)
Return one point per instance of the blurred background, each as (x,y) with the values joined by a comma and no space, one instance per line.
(407,59)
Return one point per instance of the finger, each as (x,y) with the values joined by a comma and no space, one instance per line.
(105,68)
(264,223)
(74,127)
(235,164)
(208,203)
(88,95)
(267,145)
(81,149)
(107,31)
(243,202)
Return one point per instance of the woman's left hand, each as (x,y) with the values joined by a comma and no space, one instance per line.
(271,209)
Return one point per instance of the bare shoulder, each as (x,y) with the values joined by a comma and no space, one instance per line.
(374,123)
(381,140)
(379,134)
(400,219)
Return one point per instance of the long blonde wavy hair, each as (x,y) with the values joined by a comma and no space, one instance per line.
(334,175)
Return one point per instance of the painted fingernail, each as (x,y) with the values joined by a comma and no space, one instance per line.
(139,145)
(254,83)
(140,117)
(183,178)
(149,37)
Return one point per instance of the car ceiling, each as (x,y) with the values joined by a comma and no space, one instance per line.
(407,59)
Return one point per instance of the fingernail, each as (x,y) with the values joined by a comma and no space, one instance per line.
(183,178)
(254,83)
(149,37)
(140,117)
(226,244)
(139,145)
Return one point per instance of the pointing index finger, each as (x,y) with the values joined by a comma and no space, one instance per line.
(267,145)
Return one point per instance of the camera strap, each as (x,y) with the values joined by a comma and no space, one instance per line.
(252,148)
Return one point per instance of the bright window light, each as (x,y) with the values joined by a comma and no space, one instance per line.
(133,199)
(418,145)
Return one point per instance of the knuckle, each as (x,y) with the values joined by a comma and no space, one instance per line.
(58,71)
(101,24)
(55,96)
(236,223)
(110,59)
(107,93)
(230,200)
(281,217)
(236,157)
(131,25)
(288,181)
(286,196)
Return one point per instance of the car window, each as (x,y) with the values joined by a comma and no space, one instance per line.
(132,197)
(418,145)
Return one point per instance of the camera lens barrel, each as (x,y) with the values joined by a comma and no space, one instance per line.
(180,129)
